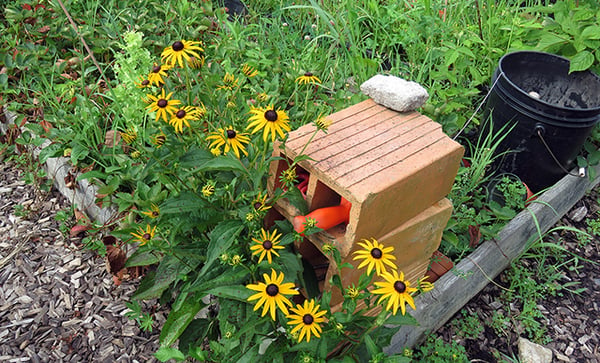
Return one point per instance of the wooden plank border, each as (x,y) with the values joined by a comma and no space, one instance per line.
(82,195)
(455,288)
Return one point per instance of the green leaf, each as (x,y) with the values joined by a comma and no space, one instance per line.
(91,175)
(451,238)
(163,354)
(78,152)
(221,238)
(591,32)
(296,199)
(194,157)
(581,61)
(372,348)
(142,258)
(400,319)
(107,189)
(191,338)
(216,278)
(183,203)
(308,279)
(222,163)
(155,283)
(548,40)
(179,319)
(50,151)
(237,292)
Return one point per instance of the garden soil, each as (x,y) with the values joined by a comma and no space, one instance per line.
(59,303)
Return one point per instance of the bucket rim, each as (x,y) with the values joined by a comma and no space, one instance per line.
(502,77)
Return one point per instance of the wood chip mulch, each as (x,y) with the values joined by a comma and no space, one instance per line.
(571,321)
(58,303)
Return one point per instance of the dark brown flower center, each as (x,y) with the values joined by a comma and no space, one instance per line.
(162,103)
(180,114)
(271,115)
(257,205)
(399,286)
(272,290)
(145,82)
(308,319)
(146,236)
(231,134)
(376,253)
(267,245)
(154,213)
(308,74)
(178,46)
(156,69)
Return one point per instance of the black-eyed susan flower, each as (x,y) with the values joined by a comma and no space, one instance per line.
(224,257)
(308,78)
(396,290)
(153,212)
(322,123)
(306,319)
(196,62)
(236,260)
(208,189)
(158,72)
(143,236)
(229,82)
(259,203)
(352,292)
(142,82)
(423,285)
(375,255)
(266,245)
(163,105)
(262,97)
(288,176)
(183,116)
(231,139)
(181,50)
(271,294)
(328,248)
(129,136)
(159,139)
(249,71)
(272,122)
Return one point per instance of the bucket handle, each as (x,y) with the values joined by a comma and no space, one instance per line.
(540,130)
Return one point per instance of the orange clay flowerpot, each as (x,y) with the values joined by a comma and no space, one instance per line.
(440,264)
(325,218)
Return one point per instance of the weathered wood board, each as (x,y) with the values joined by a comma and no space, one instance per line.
(455,288)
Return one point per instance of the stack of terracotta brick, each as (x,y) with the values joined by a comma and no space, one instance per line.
(395,168)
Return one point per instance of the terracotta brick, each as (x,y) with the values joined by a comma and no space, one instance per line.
(391,166)
(414,242)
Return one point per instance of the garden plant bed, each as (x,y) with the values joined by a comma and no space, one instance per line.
(158,124)
(470,277)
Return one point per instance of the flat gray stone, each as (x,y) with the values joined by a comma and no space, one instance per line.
(530,352)
(395,93)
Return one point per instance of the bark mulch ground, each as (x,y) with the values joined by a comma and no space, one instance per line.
(58,303)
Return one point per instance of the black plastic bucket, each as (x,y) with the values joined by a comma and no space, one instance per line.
(553,113)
